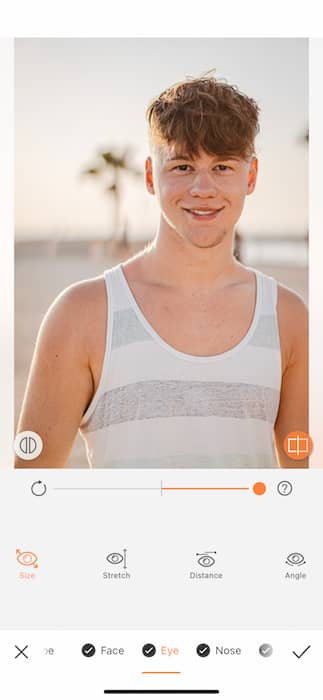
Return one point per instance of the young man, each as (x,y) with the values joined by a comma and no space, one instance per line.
(181,357)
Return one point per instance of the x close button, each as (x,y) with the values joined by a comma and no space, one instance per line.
(21,652)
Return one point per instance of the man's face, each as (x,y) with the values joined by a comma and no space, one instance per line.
(200,198)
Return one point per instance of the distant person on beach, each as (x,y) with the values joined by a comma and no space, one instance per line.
(181,357)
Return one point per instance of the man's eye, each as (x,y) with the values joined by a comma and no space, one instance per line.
(223,168)
(182,168)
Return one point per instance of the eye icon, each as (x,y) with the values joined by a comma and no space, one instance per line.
(115,558)
(118,558)
(27,558)
(205,559)
(295,559)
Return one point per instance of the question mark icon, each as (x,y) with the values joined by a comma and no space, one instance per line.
(284,488)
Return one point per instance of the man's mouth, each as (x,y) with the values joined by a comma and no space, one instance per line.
(205,213)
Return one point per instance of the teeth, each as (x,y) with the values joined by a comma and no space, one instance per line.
(203,213)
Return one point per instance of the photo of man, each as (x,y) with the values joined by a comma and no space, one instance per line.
(181,356)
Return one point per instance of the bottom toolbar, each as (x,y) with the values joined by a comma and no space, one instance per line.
(90,664)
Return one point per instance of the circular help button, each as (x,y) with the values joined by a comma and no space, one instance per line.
(28,445)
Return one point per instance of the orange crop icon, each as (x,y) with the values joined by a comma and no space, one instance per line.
(27,558)
(298,445)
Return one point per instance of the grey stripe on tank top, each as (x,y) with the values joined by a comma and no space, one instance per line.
(156,399)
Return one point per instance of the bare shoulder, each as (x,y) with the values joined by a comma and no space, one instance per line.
(291,307)
(293,323)
(78,313)
(81,296)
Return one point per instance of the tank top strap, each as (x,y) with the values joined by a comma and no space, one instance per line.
(124,323)
(268,295)
(266,332)
(117,294)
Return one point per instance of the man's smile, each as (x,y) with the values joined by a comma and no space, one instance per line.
(207,213)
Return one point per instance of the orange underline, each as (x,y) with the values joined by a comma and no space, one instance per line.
(154,672)
(205,488)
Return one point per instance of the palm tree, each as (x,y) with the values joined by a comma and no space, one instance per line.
(113,164)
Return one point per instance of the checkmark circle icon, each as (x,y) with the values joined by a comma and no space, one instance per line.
(88,650)
(203,650)
(149,650)
(265,650)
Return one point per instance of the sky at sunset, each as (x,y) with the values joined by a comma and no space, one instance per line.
(75,96)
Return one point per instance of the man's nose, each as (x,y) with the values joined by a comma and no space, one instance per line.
(203,184)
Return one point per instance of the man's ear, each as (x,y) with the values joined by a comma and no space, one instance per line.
(149,175)
(252,176)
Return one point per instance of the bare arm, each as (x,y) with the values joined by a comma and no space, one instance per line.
(293,408)
(61,381)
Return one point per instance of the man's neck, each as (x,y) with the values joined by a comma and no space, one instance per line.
(178,263)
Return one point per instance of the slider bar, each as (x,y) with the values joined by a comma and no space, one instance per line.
(206,488)
(151,488)
(106,488)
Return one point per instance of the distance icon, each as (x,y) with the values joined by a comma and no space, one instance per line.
(205,559)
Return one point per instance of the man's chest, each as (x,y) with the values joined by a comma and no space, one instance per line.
(199,324)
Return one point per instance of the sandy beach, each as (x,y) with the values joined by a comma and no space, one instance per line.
(41,277)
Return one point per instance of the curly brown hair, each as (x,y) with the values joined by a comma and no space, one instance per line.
(204,114)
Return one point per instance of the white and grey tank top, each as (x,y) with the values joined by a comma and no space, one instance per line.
(156,407)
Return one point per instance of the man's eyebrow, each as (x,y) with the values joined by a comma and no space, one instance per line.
(179,156)
(227,156)
(185,156)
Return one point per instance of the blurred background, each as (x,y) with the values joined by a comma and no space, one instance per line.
(81,144)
